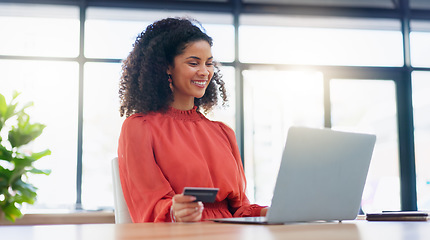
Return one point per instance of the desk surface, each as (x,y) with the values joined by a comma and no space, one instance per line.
(357,230)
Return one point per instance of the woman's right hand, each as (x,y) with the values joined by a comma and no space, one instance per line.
(185,210)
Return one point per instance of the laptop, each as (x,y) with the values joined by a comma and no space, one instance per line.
(321,177)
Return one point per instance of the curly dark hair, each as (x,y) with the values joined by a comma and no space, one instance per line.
(144,86)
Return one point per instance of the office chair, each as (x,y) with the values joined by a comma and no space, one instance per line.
(122,214)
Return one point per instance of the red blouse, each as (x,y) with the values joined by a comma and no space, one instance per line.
(161,153)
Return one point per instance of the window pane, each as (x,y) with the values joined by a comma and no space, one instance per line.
(223,41)
(226,114)
(297,43)
(273,102)
(370,106)
(102,125)
(420,39)
(330,3)
(109,38)
(421,102)
(419,4)
(33,30)
(111,33)
(53,88)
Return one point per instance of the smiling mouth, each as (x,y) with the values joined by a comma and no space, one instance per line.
(199,83)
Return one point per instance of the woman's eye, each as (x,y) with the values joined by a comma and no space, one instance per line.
(210,63)
(193,63)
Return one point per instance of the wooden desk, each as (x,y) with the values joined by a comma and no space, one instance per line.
(62,218)
(354,230)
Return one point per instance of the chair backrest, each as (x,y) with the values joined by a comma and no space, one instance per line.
(122,214)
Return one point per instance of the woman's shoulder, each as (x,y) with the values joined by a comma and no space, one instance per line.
(144,116)
(140,119)
(136,117)
(224,127)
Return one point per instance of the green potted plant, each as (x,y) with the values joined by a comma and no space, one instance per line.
(16,131)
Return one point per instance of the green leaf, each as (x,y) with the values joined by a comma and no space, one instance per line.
(10,111)
(15,94)
(11,212)
(3,105)
(22,186)
(5,175)
(26,192)
(3,108)
(23,120)
(20,199)
(17,172)
(29,104)
(39,155)
(40,171)
(5,154)
(23,162)
(25,132)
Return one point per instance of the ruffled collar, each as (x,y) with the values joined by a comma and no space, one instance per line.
(191,115)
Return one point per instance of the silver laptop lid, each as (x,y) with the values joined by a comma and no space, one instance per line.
(322,175)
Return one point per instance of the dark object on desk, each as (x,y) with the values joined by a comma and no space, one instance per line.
(207,195)
(398,216)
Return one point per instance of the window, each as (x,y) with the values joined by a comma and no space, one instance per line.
(336,3)
(101,128)
(420,52)
(276,100)
(36,30)
(44,31)
(273,102)
(226,114)
(420,37)
(421,103)
(110,33)
(370,106)
(294,41)
(55,97)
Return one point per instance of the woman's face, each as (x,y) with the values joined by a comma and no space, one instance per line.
(191,73)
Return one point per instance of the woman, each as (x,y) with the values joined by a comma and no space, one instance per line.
(166,144)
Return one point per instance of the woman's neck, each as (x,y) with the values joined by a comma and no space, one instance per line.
(183,105)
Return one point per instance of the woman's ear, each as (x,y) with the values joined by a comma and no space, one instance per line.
(169,78)
(169,70)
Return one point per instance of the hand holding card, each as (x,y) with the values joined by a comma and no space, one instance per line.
(207,195)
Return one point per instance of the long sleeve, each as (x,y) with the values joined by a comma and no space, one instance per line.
(147,192)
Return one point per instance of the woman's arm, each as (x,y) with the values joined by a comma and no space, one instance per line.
(147,192)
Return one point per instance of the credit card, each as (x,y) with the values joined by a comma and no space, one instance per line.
(207,195)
